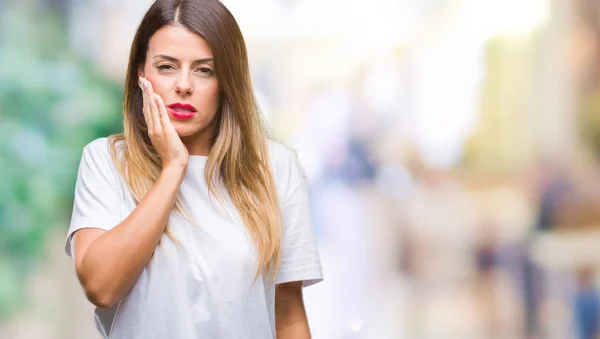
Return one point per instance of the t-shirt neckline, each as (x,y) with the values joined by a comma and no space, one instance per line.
(197,160)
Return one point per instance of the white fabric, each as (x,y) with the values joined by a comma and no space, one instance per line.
(204,290)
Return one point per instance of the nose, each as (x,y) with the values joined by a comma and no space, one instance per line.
(184,86)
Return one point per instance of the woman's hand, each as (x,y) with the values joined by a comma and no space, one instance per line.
(165,140)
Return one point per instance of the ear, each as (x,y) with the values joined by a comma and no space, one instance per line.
(141,71)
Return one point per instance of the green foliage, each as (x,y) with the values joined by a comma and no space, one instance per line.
(52,103)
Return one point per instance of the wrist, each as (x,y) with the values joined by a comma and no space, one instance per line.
(174,171)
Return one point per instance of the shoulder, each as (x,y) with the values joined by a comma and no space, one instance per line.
(101,147)
(97,154)
(285,165)
(283,158)
(97,149)
(280,153)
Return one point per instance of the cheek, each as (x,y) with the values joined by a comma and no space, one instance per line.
(210,97)
(159,84)
(215,95)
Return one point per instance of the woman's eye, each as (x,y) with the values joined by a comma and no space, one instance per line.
(164,67)
(205,71)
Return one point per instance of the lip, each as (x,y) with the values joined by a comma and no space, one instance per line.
(182,111)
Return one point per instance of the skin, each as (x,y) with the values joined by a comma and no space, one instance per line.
(178,68)
(290,314)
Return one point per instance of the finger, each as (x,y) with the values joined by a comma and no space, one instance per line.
(145,104)
(162,112)
(152,104)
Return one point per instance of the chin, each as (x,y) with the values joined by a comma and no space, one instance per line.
(186,131)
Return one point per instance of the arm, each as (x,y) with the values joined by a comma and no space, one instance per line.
(109,262)
(290,315)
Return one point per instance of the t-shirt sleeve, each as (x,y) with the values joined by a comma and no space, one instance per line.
(300,254)
(97,197)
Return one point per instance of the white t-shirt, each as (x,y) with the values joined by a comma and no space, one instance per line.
(206,289)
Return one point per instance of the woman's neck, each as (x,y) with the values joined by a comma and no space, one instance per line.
(197,144)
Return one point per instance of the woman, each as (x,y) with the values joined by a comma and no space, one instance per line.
(192,224)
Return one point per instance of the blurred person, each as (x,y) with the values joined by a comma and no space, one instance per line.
(192,223)
(587,305)
(441,224)
(553,184)
(544,287)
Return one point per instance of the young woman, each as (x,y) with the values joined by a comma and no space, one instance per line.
(192,224)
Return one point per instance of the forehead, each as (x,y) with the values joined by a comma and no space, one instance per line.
(177,41)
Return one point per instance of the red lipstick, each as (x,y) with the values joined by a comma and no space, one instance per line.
(182,111)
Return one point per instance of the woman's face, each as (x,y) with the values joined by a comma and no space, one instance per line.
(180,66)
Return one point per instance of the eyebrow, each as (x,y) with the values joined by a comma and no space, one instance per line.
(170,58)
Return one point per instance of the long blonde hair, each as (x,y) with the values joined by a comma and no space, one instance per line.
(238,160)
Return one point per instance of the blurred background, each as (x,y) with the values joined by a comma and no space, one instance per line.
(452,149)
